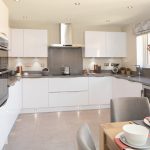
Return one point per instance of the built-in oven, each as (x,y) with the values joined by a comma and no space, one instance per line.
(146,92)
(3,69)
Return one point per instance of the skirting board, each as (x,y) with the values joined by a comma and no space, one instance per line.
(60,109)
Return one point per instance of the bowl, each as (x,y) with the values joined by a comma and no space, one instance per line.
(45,73)
(135,134)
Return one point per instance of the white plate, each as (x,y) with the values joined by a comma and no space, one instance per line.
(123,140)
(146,122)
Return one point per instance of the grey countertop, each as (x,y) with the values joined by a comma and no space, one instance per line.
(143,80)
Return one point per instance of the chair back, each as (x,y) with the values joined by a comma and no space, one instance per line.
(84,138)
(129,108)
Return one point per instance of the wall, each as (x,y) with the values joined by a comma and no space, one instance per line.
(78,38)
(131,60)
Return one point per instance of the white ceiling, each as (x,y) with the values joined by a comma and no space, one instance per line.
(89,12)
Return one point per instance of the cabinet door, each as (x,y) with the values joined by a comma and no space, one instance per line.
(68,99)
(124,88)
(35,93)
(16,45)
(35,43)
(100,90)
(3,18)
(95,44)
(68,84)
(116,44)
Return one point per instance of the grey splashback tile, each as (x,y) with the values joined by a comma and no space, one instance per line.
(59,57)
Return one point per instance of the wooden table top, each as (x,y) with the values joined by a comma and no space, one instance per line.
(108,132)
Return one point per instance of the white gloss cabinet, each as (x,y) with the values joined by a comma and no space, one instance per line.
(100,90)
(116,44)
(35,93)
(105,44)
(68,84)
(35,43)
(28,43)
(10,111)
(125,88)
(4,26)
(95,44)
(61,99)
(16,43)
(68,91)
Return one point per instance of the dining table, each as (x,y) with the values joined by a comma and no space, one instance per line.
(108,132)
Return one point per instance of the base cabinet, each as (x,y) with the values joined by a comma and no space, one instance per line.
(125,88)
(10,111)
(100,91)
(35,93)
(68,99)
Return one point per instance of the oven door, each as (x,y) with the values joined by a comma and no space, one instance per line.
(146,91)
(3,89)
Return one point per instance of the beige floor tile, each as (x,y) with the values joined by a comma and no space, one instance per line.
(54,131)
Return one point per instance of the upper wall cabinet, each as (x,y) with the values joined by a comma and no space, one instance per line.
(16,43)
(116,44)
(28,43)
(105,44)
(4,27)
(95,45)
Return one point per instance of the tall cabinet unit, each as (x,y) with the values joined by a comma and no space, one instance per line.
(28,43)
(4,25)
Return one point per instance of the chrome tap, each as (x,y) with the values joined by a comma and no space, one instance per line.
(138,69)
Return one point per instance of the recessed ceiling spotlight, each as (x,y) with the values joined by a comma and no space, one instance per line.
(130,7)
(17,0)
(77,3)
(107,20)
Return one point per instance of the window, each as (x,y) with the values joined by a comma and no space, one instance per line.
(143,50)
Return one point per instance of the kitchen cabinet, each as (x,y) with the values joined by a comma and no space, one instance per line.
(35,93)
(28,43)
(116,44)
(10,111)
(35,43)
(61,99)
(125,88)
(68,91)
(105,44)
(100,90)
(95,44)
(68,84)
(4,26)
(16,43)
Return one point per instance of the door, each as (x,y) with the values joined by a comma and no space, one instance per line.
(100,90)
(35,43)
(95,44)
(116,44)
(35,93)
(16,45)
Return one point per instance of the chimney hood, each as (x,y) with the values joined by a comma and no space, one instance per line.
(65,36)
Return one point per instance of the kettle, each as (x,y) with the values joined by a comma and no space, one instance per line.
(66,70)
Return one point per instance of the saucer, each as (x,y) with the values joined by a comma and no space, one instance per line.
(123,140)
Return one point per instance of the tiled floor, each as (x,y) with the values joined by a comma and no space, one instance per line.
(53,131)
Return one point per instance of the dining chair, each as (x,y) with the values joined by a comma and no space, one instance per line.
(84,138)
(129,108)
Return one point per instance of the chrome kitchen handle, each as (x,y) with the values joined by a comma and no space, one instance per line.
(142,93)
(3,72)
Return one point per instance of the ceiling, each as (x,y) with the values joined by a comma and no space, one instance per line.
(97,12)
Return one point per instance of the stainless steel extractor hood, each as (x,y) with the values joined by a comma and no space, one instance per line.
(65,36)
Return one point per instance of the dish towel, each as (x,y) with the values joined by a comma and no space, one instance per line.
(120,144)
